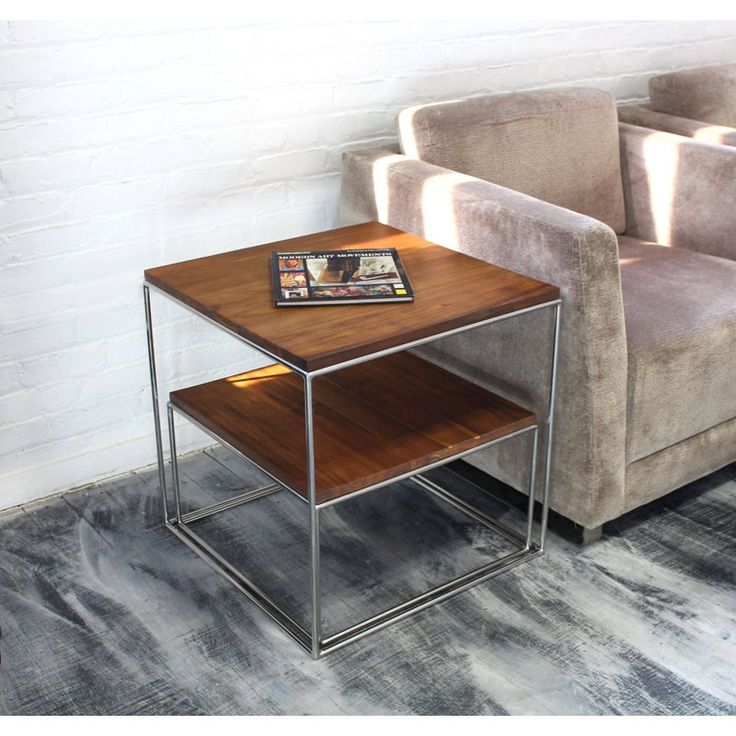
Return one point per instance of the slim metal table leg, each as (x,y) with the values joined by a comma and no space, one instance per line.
(154,397)
(550,425)
(314,547)
(532,489)
(174,464)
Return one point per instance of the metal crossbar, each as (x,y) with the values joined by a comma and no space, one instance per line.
(373,623)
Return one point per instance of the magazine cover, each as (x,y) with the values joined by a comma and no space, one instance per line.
(339,277)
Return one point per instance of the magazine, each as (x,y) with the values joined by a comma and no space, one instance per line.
(311,278)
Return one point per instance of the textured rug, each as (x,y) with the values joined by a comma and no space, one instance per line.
(103,611)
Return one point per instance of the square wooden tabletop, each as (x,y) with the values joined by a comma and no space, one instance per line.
(452,290)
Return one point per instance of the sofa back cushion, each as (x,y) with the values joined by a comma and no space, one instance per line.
(707,94)
(557,145)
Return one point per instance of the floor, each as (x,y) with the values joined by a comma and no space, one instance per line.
(104,611)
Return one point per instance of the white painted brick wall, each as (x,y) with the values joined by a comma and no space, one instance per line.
(124,146)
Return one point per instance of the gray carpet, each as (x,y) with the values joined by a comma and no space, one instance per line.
(103,611)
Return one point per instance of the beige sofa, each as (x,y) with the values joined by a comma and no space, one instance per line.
(637,228)
(697,103)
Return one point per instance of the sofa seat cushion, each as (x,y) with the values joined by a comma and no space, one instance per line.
(707,94)
(561,146)
(680,313)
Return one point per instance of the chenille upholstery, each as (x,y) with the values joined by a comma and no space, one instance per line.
(698,103)
(649,315)
(644,116)
(707,93)
(680,315)
(559,146)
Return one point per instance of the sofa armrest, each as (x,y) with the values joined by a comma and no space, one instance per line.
(574,252)
(645,117)
(679,191)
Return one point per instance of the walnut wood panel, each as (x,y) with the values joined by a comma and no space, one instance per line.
(452,290)
(373,421)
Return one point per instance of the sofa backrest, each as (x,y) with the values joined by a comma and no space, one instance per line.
(707,94)
(560,146)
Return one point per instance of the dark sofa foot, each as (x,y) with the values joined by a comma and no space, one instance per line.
(587,536)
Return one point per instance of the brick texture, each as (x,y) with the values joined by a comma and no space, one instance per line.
(124,146)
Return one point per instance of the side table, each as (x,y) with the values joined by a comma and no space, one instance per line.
(372,413)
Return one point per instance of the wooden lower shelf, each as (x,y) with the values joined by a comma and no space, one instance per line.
(372,422)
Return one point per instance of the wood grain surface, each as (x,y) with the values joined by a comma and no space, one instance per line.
(373,421)
(452,290)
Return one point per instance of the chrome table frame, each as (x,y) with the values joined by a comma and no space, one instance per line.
(530,545)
